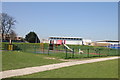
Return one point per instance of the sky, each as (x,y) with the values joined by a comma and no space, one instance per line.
(89,20)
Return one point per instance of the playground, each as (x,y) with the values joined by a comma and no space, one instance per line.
(61,50)
(59,39)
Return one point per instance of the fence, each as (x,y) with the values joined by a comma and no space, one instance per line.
(61,51)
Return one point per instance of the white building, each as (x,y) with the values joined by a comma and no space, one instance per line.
(69,40)
(87,41)
(44,41)
(106,43)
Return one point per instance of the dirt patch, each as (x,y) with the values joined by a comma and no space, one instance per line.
(49,58)
(57,59)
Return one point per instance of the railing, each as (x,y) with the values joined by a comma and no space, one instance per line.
(62,52)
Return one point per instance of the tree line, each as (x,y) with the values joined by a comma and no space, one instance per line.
(7,24)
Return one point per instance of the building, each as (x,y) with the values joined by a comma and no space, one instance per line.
(107,43)
(69,40)
(18,38)
(7,38)
(87,41)
(44,41)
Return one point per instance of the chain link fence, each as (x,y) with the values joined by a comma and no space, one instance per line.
(61,51)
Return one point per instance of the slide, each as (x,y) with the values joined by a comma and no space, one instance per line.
(67,47)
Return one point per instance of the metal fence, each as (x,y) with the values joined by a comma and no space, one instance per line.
(61,51)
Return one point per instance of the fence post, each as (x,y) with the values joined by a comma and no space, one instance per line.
(118,51)
(43,49)
(23,47)
(88,53)
(73,53)
(66,53)
(108,53)
(34,49)
(48,50)
(99,52)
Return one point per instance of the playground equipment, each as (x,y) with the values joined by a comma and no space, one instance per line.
(59,42)
(67,47)
(63,50)
(51,45)
(80,51)
(10,45)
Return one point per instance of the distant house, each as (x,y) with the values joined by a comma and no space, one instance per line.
(6,38)
(18,38)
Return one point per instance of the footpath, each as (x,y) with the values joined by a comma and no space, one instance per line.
(31,70)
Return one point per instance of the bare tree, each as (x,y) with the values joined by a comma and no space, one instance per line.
(12,35)
(6,24)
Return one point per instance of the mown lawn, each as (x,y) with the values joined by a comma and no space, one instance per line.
(17,59)
(104,69)
(62,55)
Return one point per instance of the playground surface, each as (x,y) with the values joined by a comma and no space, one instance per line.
(31,70)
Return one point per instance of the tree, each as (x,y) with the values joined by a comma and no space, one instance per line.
(12,35)
(6,24)
(32,37)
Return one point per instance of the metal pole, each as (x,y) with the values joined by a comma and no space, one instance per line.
(117,52)
(23,48)
(43,48)
(48,50)
(35,48)
(66,53)
(99,52)
(88,53)
(108,52)
(73,53)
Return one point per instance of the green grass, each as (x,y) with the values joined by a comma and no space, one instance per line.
(62,55)
(104,69)
(15,60)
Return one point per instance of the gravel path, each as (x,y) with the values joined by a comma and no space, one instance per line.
(31,70)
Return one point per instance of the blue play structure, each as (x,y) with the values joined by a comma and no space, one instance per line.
(114,46)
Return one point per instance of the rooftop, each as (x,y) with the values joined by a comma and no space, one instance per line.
(63,37)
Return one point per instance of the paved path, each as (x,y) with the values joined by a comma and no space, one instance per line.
(31,70)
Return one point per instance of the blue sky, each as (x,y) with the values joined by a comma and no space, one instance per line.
(90,20)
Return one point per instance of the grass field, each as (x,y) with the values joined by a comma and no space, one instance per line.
(26,55)
(104,69)
(18,59)
(15,60)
